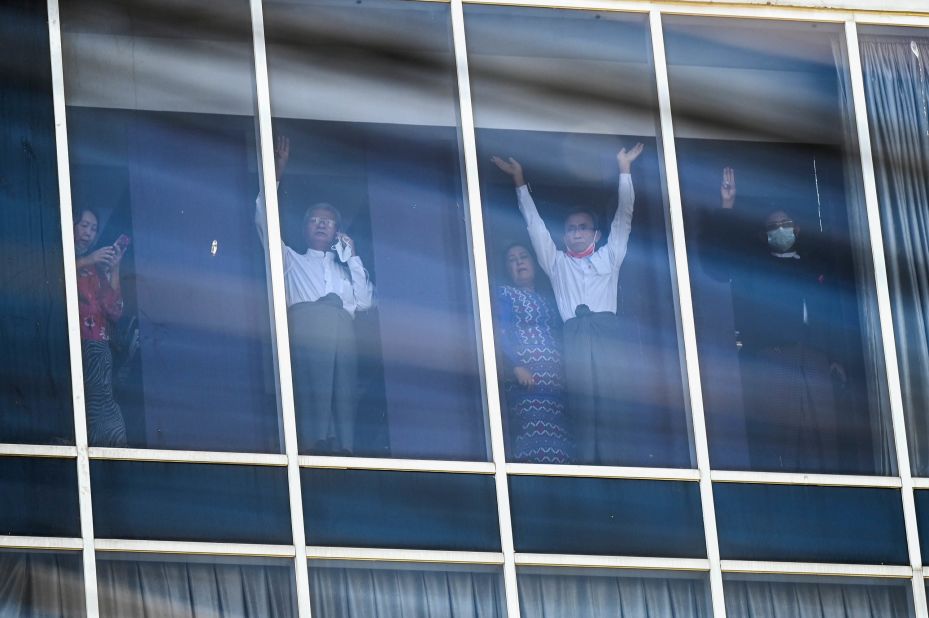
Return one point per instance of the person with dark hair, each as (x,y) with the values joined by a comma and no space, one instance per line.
(528,331)
(100,305)
(585,280)
(788,317)
(324,287)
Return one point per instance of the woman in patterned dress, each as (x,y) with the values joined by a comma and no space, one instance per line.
(527,328)
(100,305)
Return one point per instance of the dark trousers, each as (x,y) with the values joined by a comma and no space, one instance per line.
(325,365)
(599,382)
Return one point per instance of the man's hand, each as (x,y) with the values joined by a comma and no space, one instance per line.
(727,188)
(512,168)
(281,155)
(523,376)
(348,243)
(625,158)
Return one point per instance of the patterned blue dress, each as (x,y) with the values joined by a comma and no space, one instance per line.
(527,326)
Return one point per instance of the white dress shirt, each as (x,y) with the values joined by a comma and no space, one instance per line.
(314,274)
(592,280)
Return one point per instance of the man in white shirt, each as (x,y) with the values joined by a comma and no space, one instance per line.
(324,287)
(585,279)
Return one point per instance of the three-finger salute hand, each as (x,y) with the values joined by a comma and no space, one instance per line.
(625,157)
(727,188)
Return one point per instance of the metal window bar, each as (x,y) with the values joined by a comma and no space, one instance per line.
(281,341)
(71,303)
(485,320)
(886,317)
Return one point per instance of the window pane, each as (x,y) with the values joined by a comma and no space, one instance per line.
(589,357)
(176,335)
(190,502)
(780,259)
(894,64)
(796,523)
(413,510)
(152,585)
(564,515)
(922,516)
(605,593)
(362,589)
(35,379)
(816,597)
(36,584)
(39,497)
(383,342)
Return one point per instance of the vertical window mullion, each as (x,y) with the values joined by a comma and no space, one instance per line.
(280,339)
(71,304)
(482,293)
(682,273)
(886,317)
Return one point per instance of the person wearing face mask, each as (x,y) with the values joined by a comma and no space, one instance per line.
(325,287)
(585,280)
(786,310)
(100,305)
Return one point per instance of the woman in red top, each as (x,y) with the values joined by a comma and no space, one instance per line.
(100,305)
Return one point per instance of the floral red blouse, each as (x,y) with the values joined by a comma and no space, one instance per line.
(99,305)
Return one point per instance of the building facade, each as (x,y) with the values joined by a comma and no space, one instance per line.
(581,308)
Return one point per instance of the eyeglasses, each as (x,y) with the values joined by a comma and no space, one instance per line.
(570,229)
(321,221)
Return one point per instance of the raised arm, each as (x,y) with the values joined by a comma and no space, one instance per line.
(281,157)
(542,242)
(621,226)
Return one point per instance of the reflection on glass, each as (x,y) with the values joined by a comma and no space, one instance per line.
(152,585)
(800,523)
(37,584)
(596,593)
(783,290)
(175,331)
(894,61)
(39,497)
(411,510)
(190,502)
(366,123)
(584,307)
(398,590)
(816,597)
(621,517)
(35,379)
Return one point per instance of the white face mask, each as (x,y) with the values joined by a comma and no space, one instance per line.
(782,239)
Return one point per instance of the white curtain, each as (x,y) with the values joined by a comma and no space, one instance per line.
(755,599)
(897,91)
(41,585)
(155,589)
(383,593)
(563,596)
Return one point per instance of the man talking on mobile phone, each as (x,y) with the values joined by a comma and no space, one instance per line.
(324,287)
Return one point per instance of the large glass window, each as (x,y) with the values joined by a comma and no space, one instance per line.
(363,589)
(816,597)
(895,62)
(175,330)
(35,379)
(787,328)
(605,593)
(153,585)
(577,237)
(41,584)
(373,219)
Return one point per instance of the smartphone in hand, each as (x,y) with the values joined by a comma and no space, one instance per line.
(122,243)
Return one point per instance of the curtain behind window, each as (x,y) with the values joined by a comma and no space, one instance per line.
(194,590)
(897,91)
(383,593)
(559,596)
(758,599)
(41,585)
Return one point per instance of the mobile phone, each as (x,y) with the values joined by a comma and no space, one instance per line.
(122,242)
